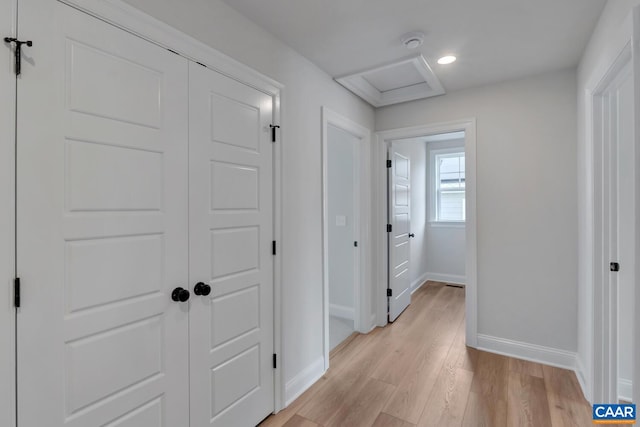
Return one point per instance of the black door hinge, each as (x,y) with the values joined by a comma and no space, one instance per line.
(389,228)
(614,266)
(17,52)
(16,292)
(273,132)
(273,247)
(275,361)
(355,244)
(389,292)
(388,163)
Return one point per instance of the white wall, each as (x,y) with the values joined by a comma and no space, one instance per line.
(307,88)
(526,201)
(609,36)
(445,242)
(418,258)
(340,182)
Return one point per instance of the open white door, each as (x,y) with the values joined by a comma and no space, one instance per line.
(102,225)
(400,220)
(230,233)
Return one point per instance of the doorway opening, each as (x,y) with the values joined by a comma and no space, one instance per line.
(346,247)
(427,212)
(449,205)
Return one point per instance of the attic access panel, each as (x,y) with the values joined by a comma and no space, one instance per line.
(401,81)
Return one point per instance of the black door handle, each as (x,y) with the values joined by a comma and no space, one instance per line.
(180,295)
(412,235)
(202,289)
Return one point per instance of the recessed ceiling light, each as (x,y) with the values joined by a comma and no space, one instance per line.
(447,60)
(413,39)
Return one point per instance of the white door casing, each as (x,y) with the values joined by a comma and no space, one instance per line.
(7,219)
(614,228)
(231,233)
(400,220)
(381,208)
(102,225)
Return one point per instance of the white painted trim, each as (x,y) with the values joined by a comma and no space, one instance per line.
(636,84)
(128,18)
(362,294)
(358,84)
(125,16)
(447,278)
(417,284)
(599,378)
(278,345)
(380,280)
(625,389)
(7,221)
(532,352)
(305,379)
(605,331)
(342,311)
(583,378)
(446,224)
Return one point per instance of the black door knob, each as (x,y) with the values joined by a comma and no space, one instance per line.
(180,294)
(202,289)
(412,235)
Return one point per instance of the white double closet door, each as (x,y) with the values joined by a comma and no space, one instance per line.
(139,172)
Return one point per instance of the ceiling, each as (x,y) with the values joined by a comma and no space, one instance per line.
(494,40)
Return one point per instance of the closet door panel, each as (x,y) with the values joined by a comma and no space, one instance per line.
(230,231)
(102,225)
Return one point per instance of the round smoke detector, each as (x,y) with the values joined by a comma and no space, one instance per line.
(413,39)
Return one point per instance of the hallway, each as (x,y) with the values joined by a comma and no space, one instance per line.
(418,371)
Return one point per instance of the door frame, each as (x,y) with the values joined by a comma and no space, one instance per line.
(363,321)
(132,20)
(381,253)
(597,375)
(7,222)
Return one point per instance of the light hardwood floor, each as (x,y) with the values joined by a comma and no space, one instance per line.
(418,372)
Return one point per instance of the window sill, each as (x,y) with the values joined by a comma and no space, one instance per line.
(447,224)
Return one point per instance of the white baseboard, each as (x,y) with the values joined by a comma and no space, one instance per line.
(447,278)
(625,389)
(582,379)
(417,284)
(372,323)
(341,311)
(532,352)
(301,382)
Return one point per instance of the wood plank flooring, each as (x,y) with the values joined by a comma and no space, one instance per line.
(418,372)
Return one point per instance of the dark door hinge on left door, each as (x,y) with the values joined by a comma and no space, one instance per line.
(16,292)
(275,361)
(273,132)
(17,51)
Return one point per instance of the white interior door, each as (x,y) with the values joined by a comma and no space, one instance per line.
(623,223)
(400,220)
(230,232)
(102,225)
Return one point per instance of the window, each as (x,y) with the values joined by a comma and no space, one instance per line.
(449,186)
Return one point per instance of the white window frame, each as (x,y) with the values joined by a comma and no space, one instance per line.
(434,187)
